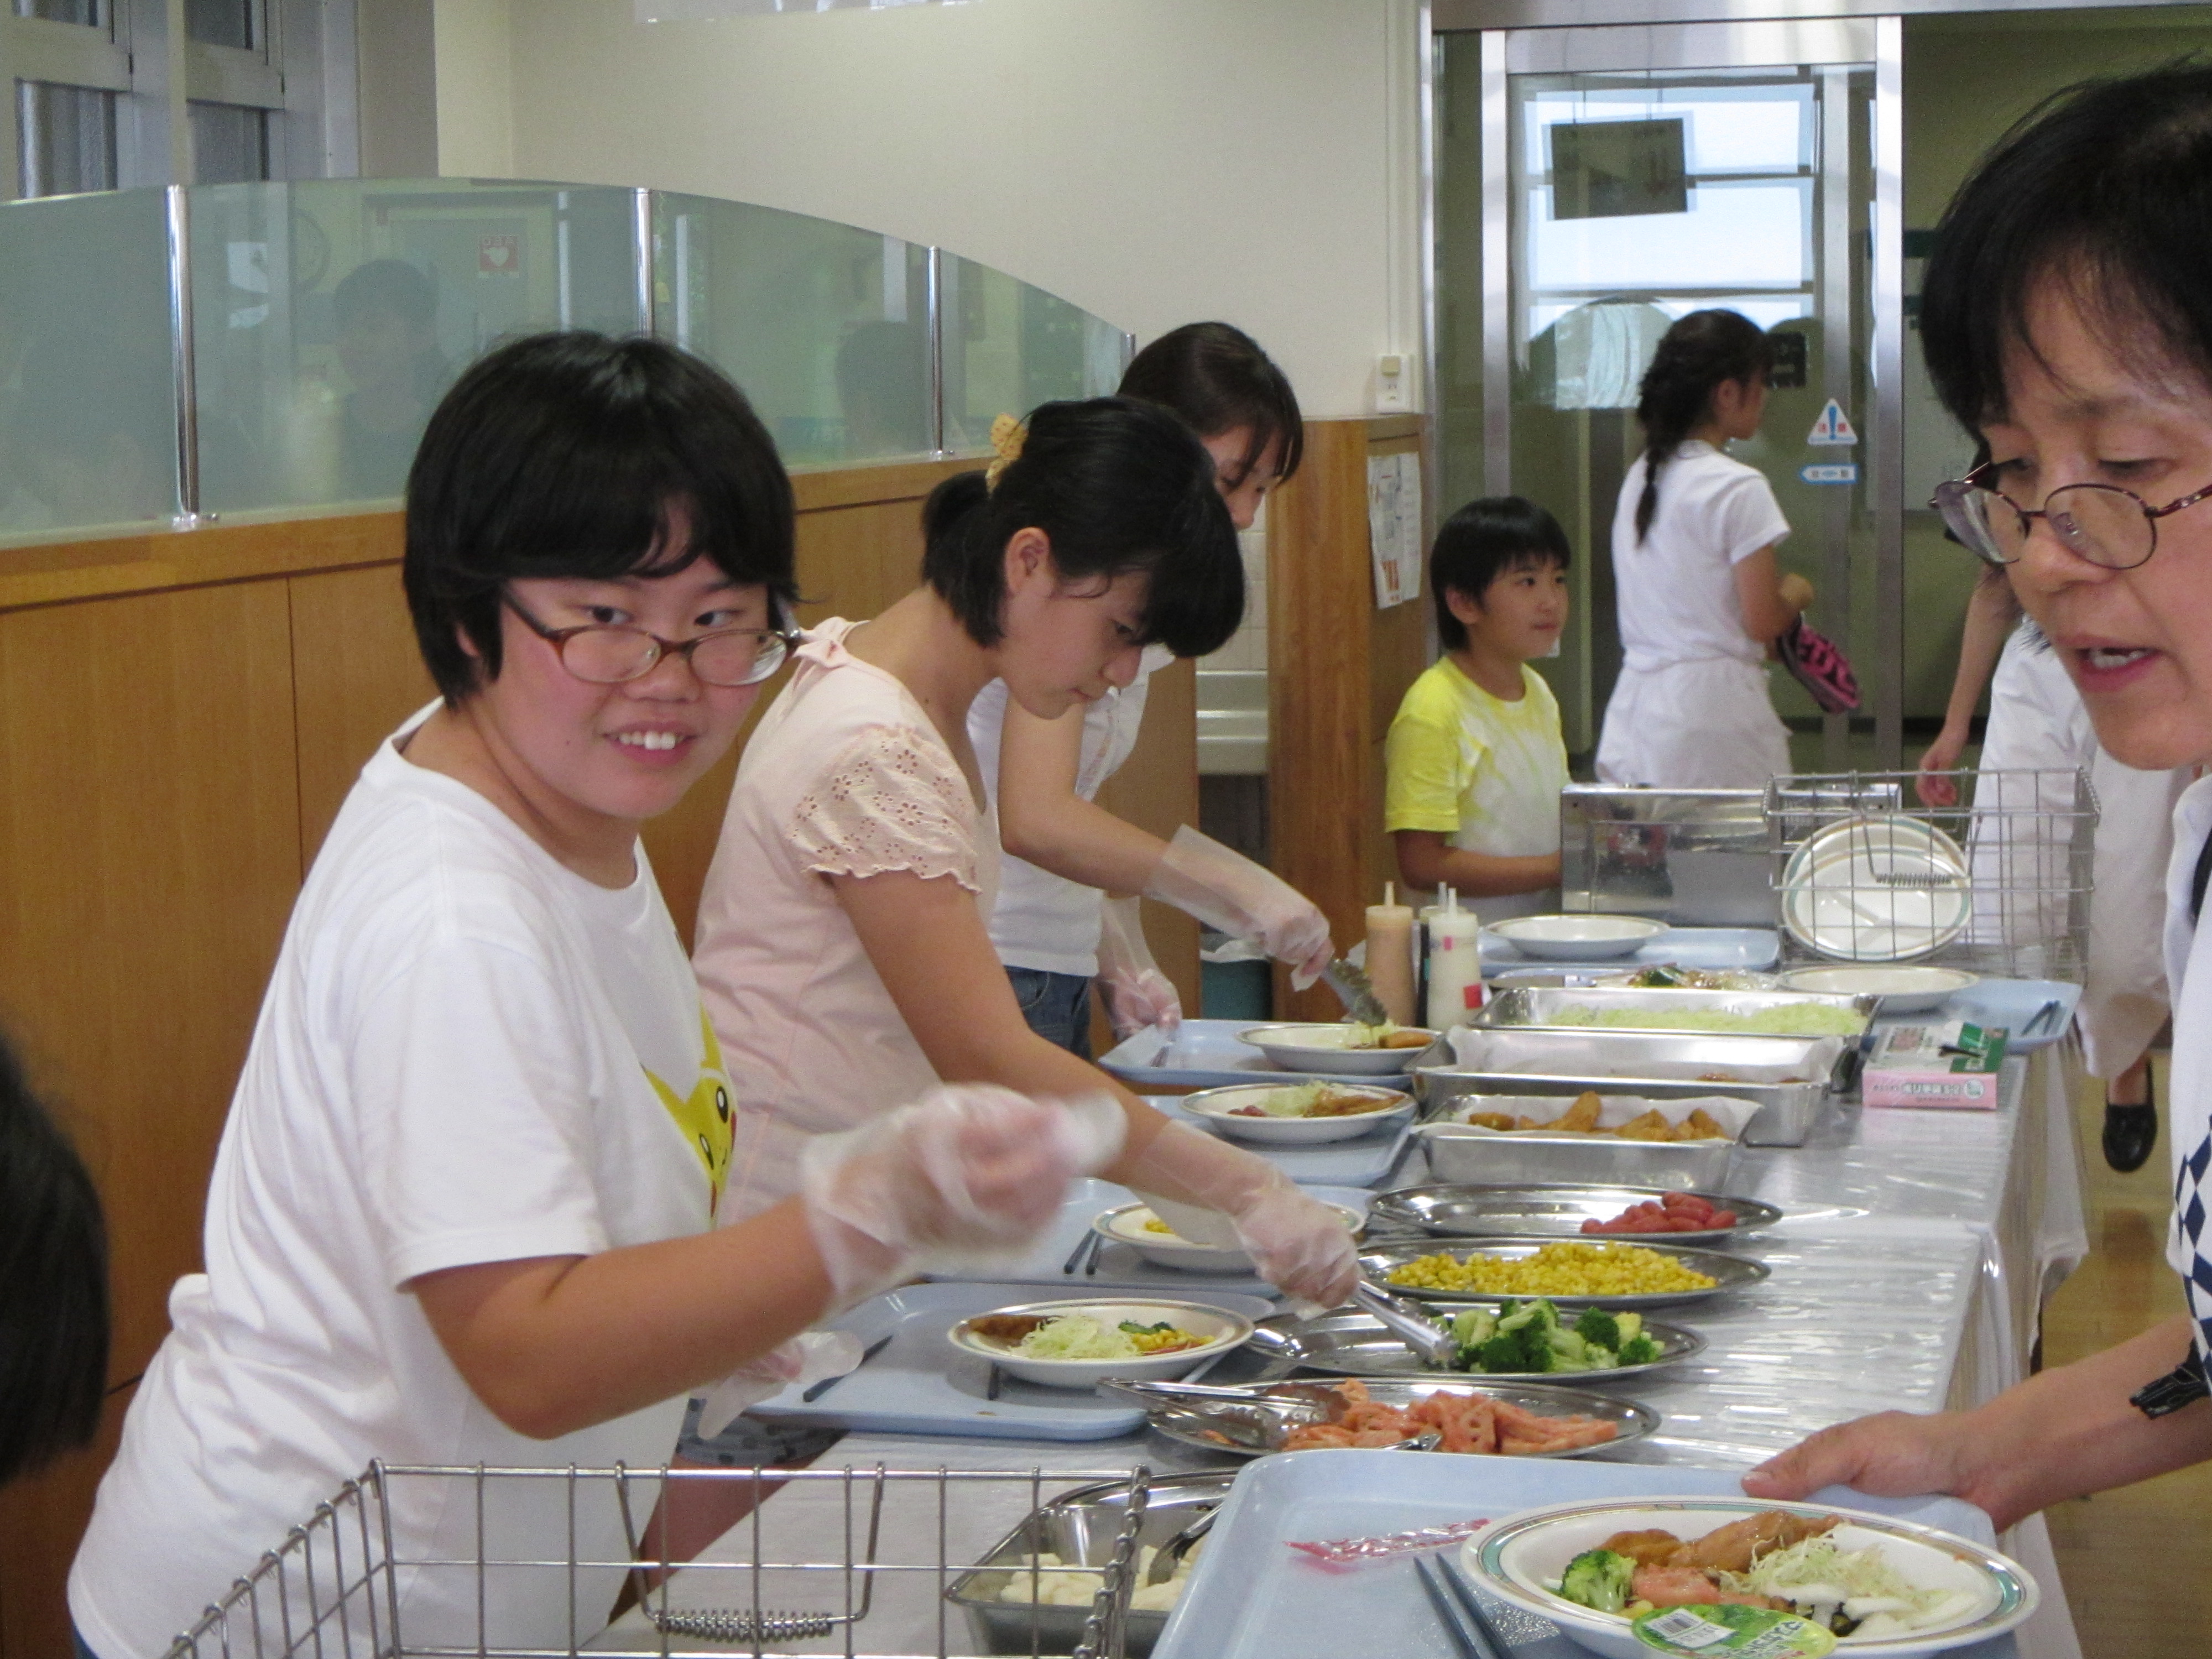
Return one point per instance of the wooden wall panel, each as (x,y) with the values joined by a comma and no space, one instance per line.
(356,674)
(149,853)
(1338,667)
(42,1518)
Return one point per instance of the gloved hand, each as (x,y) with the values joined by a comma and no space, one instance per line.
(1225,889)
(1297,1242)
(809,1357)
(961,1180)
(1137,993)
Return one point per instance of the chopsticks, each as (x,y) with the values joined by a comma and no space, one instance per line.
(1089,1242)
(1457,1607)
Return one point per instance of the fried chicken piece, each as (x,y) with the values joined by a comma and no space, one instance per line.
(1497,1119)
(1652,1548)
(1409,1039)
(1698,1126)
(1650,1125)
(1004,1328)
(1580,1118)
(1734,1548)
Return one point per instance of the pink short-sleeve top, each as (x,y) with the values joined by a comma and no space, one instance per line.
(844,775)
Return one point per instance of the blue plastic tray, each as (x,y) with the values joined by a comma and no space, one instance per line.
(1251,1597)
(1754,948)
(1205,1055)
(920,1384)
(2012,1003)
(1120,1267)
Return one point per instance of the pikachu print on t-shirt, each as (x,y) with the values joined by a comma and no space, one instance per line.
(703,1114)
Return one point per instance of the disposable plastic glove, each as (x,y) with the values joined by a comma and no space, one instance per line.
(1137,993)
(963,1180)
(1225,889)
(1297,1242)
(811,1356)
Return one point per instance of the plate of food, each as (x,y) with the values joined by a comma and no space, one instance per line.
(1591,937)
(1594,1345)
(1903,990)
(1341,1047)
(1299,1113)
(1883,1587)
(1566,1209)
(1139,1227)
(1483,1420)
(1077,1344)
(1570,1272)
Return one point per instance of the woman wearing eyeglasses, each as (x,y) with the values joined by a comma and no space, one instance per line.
(2066,320)
(464,1207)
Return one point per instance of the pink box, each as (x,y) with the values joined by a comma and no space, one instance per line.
(1952,1066)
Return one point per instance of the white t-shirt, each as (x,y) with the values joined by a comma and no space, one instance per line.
(467,1054)
(844,775)
(1042,921)
(1676,588)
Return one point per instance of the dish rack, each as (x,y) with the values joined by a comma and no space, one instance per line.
(335,1588)
(2002,886)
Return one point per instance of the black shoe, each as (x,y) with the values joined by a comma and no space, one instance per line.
(2130,1132)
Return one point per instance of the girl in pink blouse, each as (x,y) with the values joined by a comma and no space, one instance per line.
(842,945)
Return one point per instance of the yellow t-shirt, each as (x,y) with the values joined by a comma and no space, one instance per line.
(1472,766)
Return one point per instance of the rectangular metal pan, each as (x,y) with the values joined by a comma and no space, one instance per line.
(1787,1112)
(1077,1527)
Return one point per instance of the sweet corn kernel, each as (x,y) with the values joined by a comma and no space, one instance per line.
(1559,1269)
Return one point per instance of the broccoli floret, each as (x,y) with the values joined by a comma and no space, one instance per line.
(1638,1350)
(1597,1326)
(1472,1327)
(1571,1352)
(1632,1324)
(1599,1579)
(1521,1350)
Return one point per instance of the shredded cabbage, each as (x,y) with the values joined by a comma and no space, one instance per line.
(1818,1571)
(1294,1102)
(1077,1336)
(1811,1020)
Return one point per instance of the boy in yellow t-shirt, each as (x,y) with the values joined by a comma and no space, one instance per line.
(1474,758)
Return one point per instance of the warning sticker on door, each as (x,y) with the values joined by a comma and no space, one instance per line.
(1833,427)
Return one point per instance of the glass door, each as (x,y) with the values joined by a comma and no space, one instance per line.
(1632,176)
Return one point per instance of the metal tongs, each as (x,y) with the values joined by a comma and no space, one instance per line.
(1355,991)
(1417,1331)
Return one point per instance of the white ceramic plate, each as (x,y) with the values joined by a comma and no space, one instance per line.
(1126,1225)
(1218,1107)
(1320,1047)
(1877,889)
(1520,1557)
(1222,1329)
(1578,937)
(1903,990)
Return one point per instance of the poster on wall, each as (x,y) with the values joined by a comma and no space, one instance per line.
(1393,527)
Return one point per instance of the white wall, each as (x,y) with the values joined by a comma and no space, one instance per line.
(1152,161)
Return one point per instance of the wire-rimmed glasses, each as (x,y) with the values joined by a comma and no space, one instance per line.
(613,654)
(2103,523)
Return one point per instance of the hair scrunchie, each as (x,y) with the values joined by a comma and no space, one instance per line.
(1007,436)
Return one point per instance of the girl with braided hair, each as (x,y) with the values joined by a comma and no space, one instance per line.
(1701,597)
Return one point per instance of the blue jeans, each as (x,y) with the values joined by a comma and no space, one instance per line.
(1057,1007)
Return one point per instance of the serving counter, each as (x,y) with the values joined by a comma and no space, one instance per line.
(1912,1255)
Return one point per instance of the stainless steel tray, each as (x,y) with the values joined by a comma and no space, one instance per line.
(1553,1007)
(1548,1209)
(1684,1056)
(1341,1344)
(1079,1525)
(1787,1110)
(1259,1423)
(1460,1155)
(1729,1272)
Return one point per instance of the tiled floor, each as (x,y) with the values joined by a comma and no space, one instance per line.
(2137,1562)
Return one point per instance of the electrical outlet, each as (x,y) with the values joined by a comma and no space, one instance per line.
(1392,394)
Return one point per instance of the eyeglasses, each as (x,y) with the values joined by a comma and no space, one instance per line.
(603,654)
(2101,523)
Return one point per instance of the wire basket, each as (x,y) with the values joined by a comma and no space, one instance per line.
(1998,882)
(853,1561)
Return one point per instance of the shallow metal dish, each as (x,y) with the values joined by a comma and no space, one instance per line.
(1729,1060)
(1729,1272)
(1258,1424)
(1550,1009)
(1549,1209)
(1460,1155)
(1077,1526)
(1787,1111)
(1343,1344)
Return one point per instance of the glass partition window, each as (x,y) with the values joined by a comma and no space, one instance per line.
(825,327)
(224,22)
(1009,347)
(88,389)
(329,317)
(230,143)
